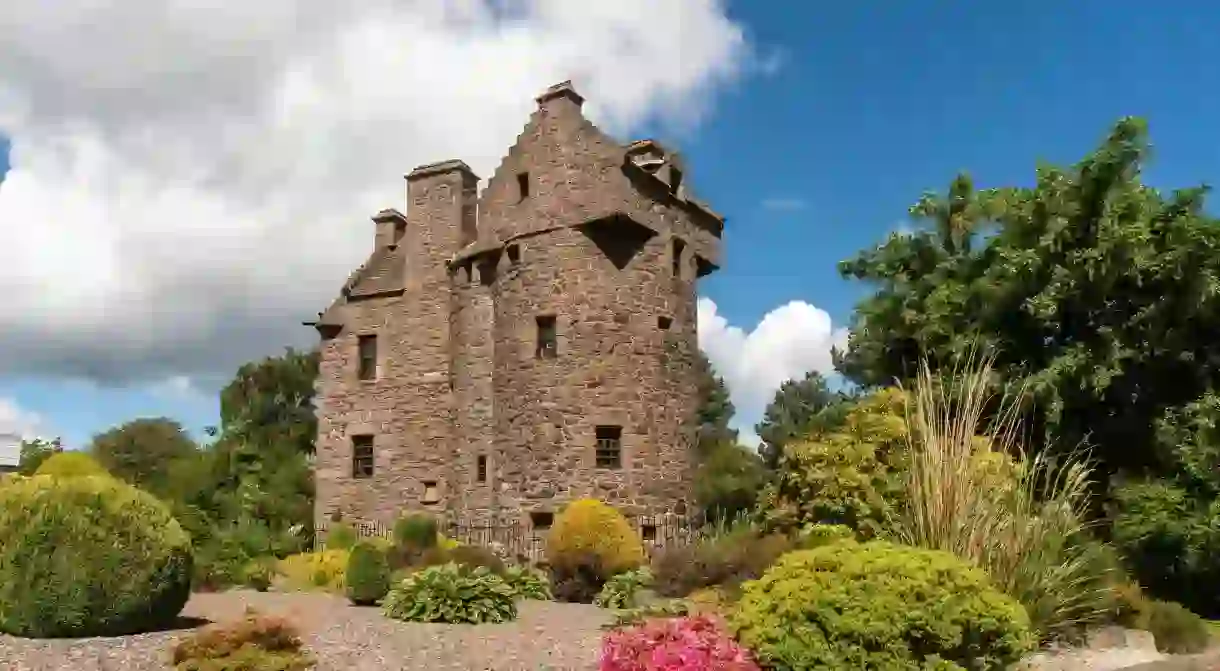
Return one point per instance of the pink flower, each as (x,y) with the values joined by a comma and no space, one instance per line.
(697,643)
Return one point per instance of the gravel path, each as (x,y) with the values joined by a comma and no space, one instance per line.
(546,635)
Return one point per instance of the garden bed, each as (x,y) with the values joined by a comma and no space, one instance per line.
(546,635)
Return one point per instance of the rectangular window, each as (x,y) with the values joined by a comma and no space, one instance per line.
(514,254)
(541,520)
(648,532)
(367,353)
(432,493)
(609,451)
(676,259)
(523,185)
(548,344)
(664,323)
(480,469)
(362,457)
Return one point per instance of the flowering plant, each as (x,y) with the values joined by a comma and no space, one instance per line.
(697,643)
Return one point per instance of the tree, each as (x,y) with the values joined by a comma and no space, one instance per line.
(143,451)
(34,452)
(798,408)
(715,409)
(272,400)
(728,481)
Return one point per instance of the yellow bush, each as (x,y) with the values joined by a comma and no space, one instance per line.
(70,465)
(323,570)
(588,527)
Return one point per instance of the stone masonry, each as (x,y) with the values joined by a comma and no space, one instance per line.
(524,347)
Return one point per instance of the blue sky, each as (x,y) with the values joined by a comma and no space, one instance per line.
(871,104)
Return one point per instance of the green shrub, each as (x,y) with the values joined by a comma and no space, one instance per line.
(325,570)
(621,591)
(342,536)
(254,643)
(879,606)
(528,583)
(451,594)
(658,609)
(88,556)
(469,556)
(727,559)
(70,465)
(588,526)
(260,573)
(578,579)
(417,531)
(368,575)
(1176,629)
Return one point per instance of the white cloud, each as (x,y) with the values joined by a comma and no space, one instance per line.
(788,342)
(16,420)
(189,181)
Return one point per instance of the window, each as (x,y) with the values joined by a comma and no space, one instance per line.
(664,323)
(362,457)
(548,345)
(514,254)
(523,185)
(480,469)
(675,180)
(367,346)
(609,450)
(648,532)
(541,520)
(432,494)
(676,260)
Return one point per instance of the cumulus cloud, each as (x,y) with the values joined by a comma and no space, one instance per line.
(16,420)
(788,342)
(189,181)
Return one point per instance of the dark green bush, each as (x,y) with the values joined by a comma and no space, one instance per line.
(416,530)
(451,594)
(879,606)
(254,643)
(88,556)
(469,556)
(727,560)
(1176,629)
(342,536)
(579,579)
(368,575)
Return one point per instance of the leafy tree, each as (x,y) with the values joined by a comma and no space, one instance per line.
(728,481)
(143,451)
(798,408)
(272,400)
(36,451)
(715,407)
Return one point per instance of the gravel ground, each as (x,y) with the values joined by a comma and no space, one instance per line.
(546,635)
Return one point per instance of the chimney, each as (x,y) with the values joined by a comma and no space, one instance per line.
(391,226)
(562,93)
(441,217)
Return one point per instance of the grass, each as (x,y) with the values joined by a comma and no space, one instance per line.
(973,490)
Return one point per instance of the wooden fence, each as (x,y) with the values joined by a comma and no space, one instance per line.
(519,539)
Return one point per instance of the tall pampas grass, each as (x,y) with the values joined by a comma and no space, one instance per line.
(975,491)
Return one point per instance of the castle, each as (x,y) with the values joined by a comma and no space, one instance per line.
(499,355)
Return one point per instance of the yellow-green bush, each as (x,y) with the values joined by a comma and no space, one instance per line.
(70,465)
(325,570)
(88,556)
(878,605)
(589,527)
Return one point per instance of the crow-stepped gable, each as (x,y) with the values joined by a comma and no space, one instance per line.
(499,355)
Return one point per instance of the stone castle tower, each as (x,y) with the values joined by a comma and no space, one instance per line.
(500,355)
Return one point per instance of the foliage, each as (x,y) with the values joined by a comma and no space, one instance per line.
(367,574)
(1022,521)
(469,556)
(799,408)
(143,451)
(621,590)
(224,554)
(579,578)
(850,476)
(715,409)
(88,556)
(36,451)
(451,594)
(342,536)
(1175,628)
(664,608)
(588,526)
(849,605)
(70,465)
(325,570)
(418,531)
(253,643)
(728,480)
(259,574)
(681,644)
(528,583)
(725,559)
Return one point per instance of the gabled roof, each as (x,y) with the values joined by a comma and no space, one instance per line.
(384,272)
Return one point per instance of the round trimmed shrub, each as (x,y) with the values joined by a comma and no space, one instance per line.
(368,574)
(88,556)
(590,527)
(878,605)
(70,465)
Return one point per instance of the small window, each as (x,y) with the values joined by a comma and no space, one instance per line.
(432,493)
(480,469)
(400,229)
(675,180)
(541,520)
(648,532)
(676,260)
(367,346)
(664,323)
(523,186)
(609,451)
(514,254)
(548,344)
(362,457)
